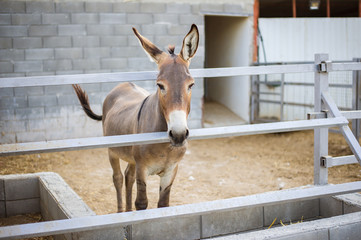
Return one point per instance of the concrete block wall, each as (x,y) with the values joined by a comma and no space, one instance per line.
(52,38)
(47,193)
(40,192)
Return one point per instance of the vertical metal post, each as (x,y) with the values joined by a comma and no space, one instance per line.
(320,134)
(356,99)
(254,98)
(282,96)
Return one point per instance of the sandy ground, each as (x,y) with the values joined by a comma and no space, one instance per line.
(211,169)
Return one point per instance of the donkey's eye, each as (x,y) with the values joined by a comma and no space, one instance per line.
(190,86)
(161,86)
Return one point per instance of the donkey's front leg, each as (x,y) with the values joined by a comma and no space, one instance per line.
(117,178)
(129,182)
(166,182)
(141,202)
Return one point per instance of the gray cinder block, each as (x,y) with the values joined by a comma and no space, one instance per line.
(98,7)
(25,91)
(100,29)
(330,207)
(41,101)
(84,18)
(166,18)
(107,233)
(351,202)
(13,126)
(69,7)
(26,19)
(154,29)
(6,67)
(2,189)
(42,30)
(22,206)
(12,7)
(190,19)
(6,92)
(112,18)
(207,7)
(86,64)
(72,30)
(51,90)
(12,102)
(139,18)
(40,7)
(39,54)
(126,7)
(29,113)
(55,42)
(177,228)
(114,63)
(178,8)
(152,8)
(141,64)
(349,231)
(68,53)
(65,198)
(6,114)
(7,138)
(12,55)
(13,31)
(113,41)
(55,18)
(293,211)
(220,223)
(28,66)
(2,209)
(5,19)
(57,65)
(234,8)
(125,29)
(27,42)
(6,43)
(86,41)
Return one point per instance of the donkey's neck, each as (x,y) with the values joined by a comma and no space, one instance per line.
(150,116)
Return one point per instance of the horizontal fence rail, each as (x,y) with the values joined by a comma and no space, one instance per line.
(128,218)
(161,137)
(150,75)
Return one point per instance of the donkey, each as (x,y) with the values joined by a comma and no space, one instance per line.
(129,109)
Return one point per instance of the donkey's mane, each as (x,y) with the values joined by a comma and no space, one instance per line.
(171,49)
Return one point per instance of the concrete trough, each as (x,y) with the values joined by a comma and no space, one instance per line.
(46,193)
(323,218)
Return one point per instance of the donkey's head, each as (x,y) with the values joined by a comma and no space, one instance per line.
(174,83)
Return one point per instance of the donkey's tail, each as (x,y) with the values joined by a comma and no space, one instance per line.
(83,98)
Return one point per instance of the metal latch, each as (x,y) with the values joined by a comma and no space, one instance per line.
(324,66)
(325,161)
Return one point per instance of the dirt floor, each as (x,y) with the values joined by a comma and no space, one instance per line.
(211,169)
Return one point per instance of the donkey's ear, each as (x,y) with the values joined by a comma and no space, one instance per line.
(190,44)
(154,53)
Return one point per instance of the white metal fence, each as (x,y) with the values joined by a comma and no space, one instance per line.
(325,115)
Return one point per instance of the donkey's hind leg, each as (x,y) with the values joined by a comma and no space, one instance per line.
(129,182)
(117,178)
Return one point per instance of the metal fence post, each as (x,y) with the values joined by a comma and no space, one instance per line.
(320,134)
(356,99)
(254,98)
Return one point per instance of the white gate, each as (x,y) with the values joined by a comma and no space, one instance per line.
(296,40)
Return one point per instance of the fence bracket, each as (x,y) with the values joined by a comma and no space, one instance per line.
(325,161)
(324,66)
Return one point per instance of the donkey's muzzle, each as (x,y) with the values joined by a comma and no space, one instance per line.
(178,138)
